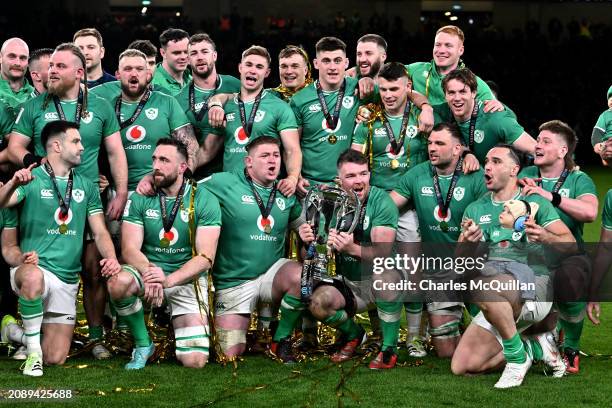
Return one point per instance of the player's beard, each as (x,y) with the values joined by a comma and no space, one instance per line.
(164,181)
(135,94)
(58,88)
(206,74)
(374,68)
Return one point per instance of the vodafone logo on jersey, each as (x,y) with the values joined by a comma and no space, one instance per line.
(61,218)
(135,133)
(241,136)
(261,223)
(171,235)
(326,128)
(439,216)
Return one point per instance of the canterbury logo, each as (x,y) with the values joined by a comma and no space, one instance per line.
(485,219)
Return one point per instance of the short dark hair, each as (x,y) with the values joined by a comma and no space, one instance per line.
(261,140)
(516,155)
(451,128)
(172,34)
(144,46)
(569,136)
(39,53)
(463,75)
(293,50)
(55,129)
(88,32)
(198,38)
(374,38)
(393,71)
(180,146)
(330,44)
(351,156)
(257,50)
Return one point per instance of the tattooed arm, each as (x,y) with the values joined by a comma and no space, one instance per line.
(186,135)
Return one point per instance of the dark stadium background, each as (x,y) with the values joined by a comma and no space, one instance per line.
(550,59)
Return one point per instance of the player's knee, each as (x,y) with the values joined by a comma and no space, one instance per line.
(231,341)
(55,357)
(193,360)
(458,366)
(118,285)
(30,279)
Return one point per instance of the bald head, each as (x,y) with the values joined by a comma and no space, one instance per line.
(14,59)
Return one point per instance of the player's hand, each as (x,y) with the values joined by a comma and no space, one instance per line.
(426,118)
(340,241)
(471,230)
(154,274)
(110,267)
(535,189)
(145,186)
(23,176)
(606,153)
(116,206)
(351,72)
(154,293)
(288,185)
(526,181)
(593,311)
(306,233)
(366,87)
(216,116)
(104,183)
(30,258)
(470,163)
(534,232)
(363,114)
(493,105)
(302,187)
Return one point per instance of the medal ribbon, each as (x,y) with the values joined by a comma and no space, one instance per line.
(168,219)
(265,211)
(332,120)
(248,125)
(559,182)
(200,114)
(472,126)
(395,144)
(79,107)
(136,113)
(444,205)
(64,203)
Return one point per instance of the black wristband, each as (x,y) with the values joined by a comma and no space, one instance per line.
(31,158)
(556,199)
(465,153)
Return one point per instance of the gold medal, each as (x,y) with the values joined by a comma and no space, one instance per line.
(164,242)
(268,229)
(63,228)
(332,139)
(394,164)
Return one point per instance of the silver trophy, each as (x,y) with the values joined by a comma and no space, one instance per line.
(325,208)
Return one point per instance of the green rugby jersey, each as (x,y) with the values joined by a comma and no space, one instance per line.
(322,146)
(576,185)
(273,116)
(245,251)
(40,218)
(8,218)
(504,242)
(417,185)
(427,80)
(604,125)
(163,80)
(145,212)
(94,128)
(491,128)
(7,118)
(160,116)
(413,150)
(606,216)
(15,99)
(380,212)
